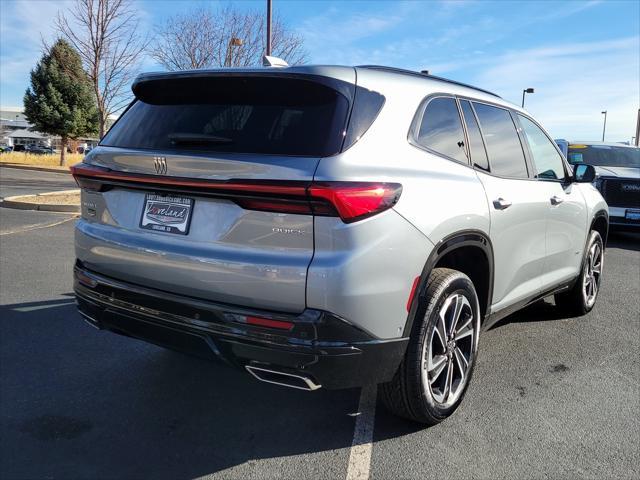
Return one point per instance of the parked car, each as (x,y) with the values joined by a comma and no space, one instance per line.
(40,150)
(19,148)
(6,149)
(331,226)
(617,177)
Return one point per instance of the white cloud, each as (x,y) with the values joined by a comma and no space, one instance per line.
(332,38)
(574,83)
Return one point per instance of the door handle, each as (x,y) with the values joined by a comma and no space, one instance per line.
(555,200)
(501,204)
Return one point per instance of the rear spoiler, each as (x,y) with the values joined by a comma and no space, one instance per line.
(342,79)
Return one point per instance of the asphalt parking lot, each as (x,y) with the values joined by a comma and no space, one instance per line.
(15,181)
(551,397)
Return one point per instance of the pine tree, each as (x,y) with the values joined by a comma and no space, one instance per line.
(59,100)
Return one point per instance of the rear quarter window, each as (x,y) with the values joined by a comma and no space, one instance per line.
(441,129)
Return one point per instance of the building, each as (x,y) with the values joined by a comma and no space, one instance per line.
(16,130)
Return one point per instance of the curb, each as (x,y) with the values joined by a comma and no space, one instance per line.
(36,168)
(21,202)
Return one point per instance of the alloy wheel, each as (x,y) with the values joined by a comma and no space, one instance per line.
(448,355)
(592,274)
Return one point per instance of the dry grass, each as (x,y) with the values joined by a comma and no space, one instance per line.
(46,160)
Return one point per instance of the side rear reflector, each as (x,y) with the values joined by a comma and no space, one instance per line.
(351,201)
(269,323)
(414,289)
(85,279)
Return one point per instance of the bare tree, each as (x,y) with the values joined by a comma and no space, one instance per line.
(227,36)
(105,33)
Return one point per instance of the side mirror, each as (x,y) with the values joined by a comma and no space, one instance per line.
(584,173)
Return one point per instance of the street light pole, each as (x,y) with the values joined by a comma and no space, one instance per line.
(233,42)
(604,127)
(525,91)
(268,50)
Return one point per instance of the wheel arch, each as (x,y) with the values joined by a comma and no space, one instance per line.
(458,251)
(600,223)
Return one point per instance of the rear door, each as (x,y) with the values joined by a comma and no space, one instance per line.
(163,228)
(518,207)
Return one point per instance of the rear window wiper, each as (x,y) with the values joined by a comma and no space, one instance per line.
(197,139)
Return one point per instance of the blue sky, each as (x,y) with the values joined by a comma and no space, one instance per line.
(582,57)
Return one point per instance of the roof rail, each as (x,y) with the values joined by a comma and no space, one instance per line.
(423,74)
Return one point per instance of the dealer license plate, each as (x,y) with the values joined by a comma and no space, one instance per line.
(167,213)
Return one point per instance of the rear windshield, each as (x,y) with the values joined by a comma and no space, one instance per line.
(604,155)
(280,116)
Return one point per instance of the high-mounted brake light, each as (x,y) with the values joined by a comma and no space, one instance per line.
(351,201)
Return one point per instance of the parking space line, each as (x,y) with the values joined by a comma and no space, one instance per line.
(38,226)
(360,455)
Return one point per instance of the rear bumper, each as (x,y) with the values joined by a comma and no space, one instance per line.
(320,347)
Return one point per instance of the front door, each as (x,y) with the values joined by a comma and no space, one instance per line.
(566,210)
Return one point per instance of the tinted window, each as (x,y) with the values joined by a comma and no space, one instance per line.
(234,114)
(441,129)
(366,107)
(478,153)
(506,157)
(546,158)
(604,155)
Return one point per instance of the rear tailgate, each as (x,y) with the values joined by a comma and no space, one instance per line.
(170,198)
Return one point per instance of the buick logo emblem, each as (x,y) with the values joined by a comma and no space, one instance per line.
(161,165)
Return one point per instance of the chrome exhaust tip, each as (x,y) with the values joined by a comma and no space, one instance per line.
(276,377)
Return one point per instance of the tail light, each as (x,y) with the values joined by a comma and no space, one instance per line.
(355,201)
(351,201)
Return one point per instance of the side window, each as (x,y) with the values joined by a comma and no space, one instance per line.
(546,158)
(476,146)
(441,129)
(506,156)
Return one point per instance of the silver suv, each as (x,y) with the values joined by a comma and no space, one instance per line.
(331,226)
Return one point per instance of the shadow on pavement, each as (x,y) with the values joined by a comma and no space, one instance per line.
(625,240)
(545,310)
(80,403)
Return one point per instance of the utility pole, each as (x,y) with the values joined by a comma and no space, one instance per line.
(604,127)
(268,52)
(638,127)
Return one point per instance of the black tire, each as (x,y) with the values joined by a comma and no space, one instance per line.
(408,395)
(574,302)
